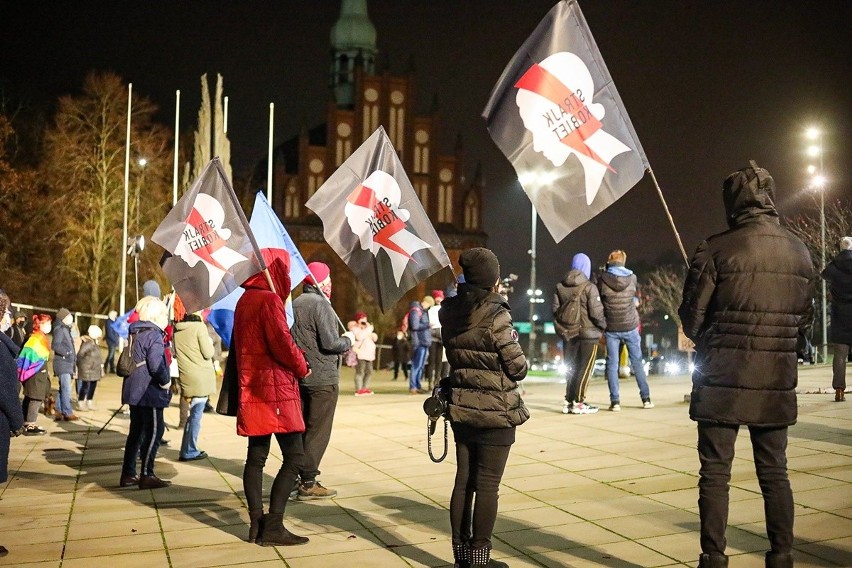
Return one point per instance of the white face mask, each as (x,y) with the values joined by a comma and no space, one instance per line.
(5,322)
(46,328)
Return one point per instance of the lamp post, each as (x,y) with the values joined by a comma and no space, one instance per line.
(139,186)
(532,290)
(818,183)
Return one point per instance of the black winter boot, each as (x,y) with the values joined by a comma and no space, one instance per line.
(708,561)
(274,533)
(778,560)
(256,528)
(481,558)
(461,555)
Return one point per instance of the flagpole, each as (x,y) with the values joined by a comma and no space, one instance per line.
(122,296)
(269,158)
(177,137)
(669,216)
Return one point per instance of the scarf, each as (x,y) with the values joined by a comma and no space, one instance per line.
(33,356)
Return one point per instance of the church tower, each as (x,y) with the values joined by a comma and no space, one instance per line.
(353,43)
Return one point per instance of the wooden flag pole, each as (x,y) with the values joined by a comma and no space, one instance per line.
(177,149)
(669,216)
(269,280)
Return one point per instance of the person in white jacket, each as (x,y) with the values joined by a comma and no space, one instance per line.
(365,349)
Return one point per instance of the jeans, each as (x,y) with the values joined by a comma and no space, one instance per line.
(318,406)
(363,374)
(63,405)
(634,351)
(418,362)
(838,366)
(478,473)
(109,364)
(143,439)
(716,453)
(87,390)
(292,455)
(189,444)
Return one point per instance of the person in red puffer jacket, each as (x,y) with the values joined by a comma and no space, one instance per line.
(269,367)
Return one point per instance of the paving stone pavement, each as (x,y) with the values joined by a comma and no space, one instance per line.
(608,489)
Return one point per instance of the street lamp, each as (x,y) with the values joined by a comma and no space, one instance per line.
(818,183)
(142,163)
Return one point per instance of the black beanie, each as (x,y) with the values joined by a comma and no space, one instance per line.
(480,267)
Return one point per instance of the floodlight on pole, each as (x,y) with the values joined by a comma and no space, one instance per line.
(818,184)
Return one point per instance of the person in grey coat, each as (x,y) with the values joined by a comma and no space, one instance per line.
(90,368)
(747,297)
(315,331)
(64,361)
(11,414)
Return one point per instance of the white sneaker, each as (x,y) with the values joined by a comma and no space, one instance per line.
(567,408)
(80,405)
(583,408)
(90,404)
(615,407)
(647,404)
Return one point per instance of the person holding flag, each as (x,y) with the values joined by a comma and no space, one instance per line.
(269,368)
(315,331)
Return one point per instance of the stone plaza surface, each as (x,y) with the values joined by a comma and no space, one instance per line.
(608,489)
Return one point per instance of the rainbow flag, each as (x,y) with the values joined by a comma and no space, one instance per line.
(33,356)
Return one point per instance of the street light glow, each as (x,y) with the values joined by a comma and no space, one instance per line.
(818,181)
(812,133)
(811,169)
(813,151)
(143,162)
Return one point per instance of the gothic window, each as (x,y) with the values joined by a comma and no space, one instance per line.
(344,143)
(421,152)
(370,116)
(471,213)
(445,203)
(423,194)
(291,202)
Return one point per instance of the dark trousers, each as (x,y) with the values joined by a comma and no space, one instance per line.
(143,439)
(838,366)
(716,453)
(434,365)
(580,360)
(397,365)
(292,456)
(318,405)
(109,364)
(87,390)
(479,471)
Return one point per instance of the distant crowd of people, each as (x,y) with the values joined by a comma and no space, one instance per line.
(747,300)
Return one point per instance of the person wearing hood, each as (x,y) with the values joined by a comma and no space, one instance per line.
(484,405)
(838,274)
(196,375)
(64,361)
(421,339)
(17,330)
(580,350)
(32,372)
(147,390)
(617,286)
(747,296)
(90,369)
(316,332)
(364,347)
(11,414)
(269,367)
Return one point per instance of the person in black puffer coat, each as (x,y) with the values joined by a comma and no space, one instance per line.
(486,363)
(580,351)
(839,276)
(746,299)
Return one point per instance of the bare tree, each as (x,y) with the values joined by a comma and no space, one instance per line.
(662,289)
(838,224)
(84,170)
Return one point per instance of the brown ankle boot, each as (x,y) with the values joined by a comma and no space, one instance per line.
(839,395)
(274,533)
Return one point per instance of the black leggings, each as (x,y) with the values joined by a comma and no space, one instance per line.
(480,469)
(292,457)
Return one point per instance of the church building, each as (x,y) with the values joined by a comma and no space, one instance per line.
(361,99)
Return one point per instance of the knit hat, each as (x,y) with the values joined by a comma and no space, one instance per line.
(480,267)
(318,273)
(846,243)
(438,295)
(62,314)
(151,288)
(94,332)
(429,301)
(617,257)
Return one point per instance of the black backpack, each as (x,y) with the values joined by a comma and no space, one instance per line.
(125,365)
(569,315)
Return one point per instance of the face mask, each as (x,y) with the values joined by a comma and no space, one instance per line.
(46,328)
(6,322)
(325,286)
(69,319)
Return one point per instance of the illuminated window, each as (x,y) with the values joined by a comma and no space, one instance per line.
(471,213)
(291,202)
(445,203)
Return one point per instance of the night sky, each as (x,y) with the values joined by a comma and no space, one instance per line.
(708,86)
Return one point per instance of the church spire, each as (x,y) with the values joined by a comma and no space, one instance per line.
(353,37)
